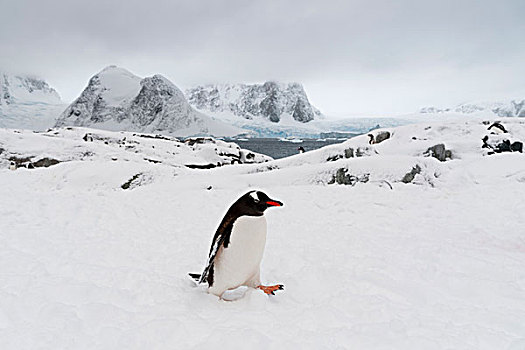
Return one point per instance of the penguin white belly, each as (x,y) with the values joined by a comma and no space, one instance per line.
(239,264)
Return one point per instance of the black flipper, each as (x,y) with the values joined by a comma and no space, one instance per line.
(220,239)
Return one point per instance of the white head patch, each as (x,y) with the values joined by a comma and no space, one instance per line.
(254,195)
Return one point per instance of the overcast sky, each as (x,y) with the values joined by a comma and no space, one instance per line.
(353,57)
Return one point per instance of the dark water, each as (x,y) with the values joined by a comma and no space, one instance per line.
(280,149)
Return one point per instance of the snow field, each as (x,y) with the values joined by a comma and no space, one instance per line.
(427,265)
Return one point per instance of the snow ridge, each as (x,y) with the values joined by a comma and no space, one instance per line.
(270,100)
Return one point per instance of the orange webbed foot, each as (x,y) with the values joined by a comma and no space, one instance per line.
(271,289)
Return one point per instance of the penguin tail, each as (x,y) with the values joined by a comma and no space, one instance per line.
(195,276)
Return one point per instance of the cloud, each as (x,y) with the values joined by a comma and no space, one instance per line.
(352,56)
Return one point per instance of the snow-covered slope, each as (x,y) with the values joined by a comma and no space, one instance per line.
(116,99)
(26,149)
(511,108)
(28,102)
(271,101)
(432,262)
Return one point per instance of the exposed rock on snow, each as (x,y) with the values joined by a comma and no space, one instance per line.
(409,177)
(382,136)
(439,152)
(342,177)
(29,162)
(116,99)
(270,100)
(80,144)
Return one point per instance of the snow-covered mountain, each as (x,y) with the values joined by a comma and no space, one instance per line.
(270,100)
(511,108)
(116,99)
(28,102)
(26,89)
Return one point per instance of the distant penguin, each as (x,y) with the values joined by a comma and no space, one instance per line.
(238,246)
(371,141)
(301,149)
(12,166)
(498,128)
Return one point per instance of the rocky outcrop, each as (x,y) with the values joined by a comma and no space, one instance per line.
(409,177)
(342,177)
(439,152)
(270,100)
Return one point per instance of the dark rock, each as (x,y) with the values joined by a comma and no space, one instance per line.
(153,160)
(503,147)
(517,147)
(128,183)
(20,161)
(411,174)
(439,152)
(45,162)
(349,152)
(382,136)
(334,158)
(342,178)
(201,166)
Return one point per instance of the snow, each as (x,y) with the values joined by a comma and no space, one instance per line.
(505,108)
(27,102)
(120,85)
(432,264)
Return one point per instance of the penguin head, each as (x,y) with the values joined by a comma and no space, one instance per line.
(254,203)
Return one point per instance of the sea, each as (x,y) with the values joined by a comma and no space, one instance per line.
(277,148)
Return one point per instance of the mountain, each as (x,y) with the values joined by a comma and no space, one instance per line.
(23,89)
(271,101)
(116,99)
(511,108)
(28,102)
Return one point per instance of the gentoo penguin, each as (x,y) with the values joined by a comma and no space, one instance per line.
(238,246)
(301,149)
(371,141)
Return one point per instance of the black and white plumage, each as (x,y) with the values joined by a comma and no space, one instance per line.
(238,245)
(497,128)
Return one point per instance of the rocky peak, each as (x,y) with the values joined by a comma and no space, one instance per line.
(26,89)
(270,100)
(116,99)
